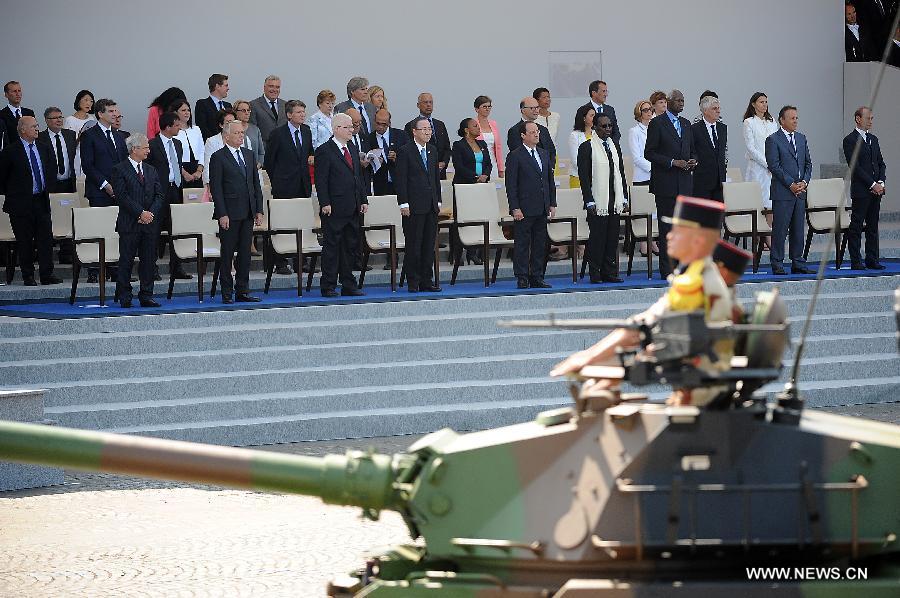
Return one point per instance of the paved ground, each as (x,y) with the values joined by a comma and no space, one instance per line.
(105,535)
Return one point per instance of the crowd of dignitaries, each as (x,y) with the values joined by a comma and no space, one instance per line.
(350,150)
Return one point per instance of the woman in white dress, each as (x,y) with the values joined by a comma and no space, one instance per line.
(581,132)
(84,108)
(637,139)
(759,124)
(320,121)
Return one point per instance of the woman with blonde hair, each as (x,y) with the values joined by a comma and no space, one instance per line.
(377,97)
(637,139)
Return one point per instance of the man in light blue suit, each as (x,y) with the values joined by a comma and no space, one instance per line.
(787,156)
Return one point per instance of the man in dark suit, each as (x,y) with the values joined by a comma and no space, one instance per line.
(166,156)
(670,151)
(14,110)
(237,195)
(530,110)
(439,137)
(62,147)
(389,140)
(358,99)
(710,140)
(342,197)
(788,159)
(531,190)
(102,147)
(140,197)
(4,137)
(361,142)
(207,109)
(876,18)
(599,91)
(268,110)
(419,195)
(289,151)
(857,44)
(866,190)
(25,168)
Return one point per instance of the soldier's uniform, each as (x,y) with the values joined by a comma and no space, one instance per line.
(733,259)
(698,285)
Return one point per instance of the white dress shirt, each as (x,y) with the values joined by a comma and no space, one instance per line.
(854,29)
(67,174)
(637,140)
(213,144)
(709,131)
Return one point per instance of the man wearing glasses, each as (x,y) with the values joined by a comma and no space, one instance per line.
(62,147)
(342,197)
(530,111)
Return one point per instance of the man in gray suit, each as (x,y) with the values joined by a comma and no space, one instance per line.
(267,111)
(358,97)
(787,156)
(237,200)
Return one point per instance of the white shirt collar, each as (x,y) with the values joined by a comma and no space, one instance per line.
(292,128)
(861,132)
(786,133)
(134,164)
(103,127)
(27,143)
(340,145)
(14,108)
(421,147)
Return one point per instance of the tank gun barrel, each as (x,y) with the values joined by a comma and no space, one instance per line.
(357,478)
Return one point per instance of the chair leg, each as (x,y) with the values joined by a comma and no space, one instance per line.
(76,270)
(497,255)
(583,264)
(403,274)
(201,273)
(631,255)
(487,251)
(299,273)
(11,258)
(757,253)
(456,266)
(269,270)
(365,265)
(216,266)
(102,281)
(809,236)
(171,284)
(312,271)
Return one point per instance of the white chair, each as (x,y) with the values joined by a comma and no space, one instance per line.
(478,226)
(192,195)
(733,174)
(569,227)
(194,238)
(639,224)
(79,187)
(8,241)
(446,199)
(96,243)
(383,233)
(291,223)
(823,196)
(744,216)
(61,205)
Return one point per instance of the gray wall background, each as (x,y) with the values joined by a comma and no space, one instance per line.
(131,51)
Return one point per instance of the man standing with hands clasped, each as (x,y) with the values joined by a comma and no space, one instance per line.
(866,190)
(418,186)
(532,198)
(236,193)
(787,156)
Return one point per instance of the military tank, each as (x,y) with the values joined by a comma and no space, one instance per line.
(614,496)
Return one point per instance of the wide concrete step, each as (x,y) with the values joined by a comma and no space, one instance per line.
(42,371)
(165,339)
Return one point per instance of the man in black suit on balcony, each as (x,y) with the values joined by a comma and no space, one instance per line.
(866,190)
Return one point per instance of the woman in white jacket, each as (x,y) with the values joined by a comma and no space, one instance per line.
(759,124)
(637,139)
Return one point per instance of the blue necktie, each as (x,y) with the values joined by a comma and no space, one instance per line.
(677,124)
(35,169)
(173,162)
(424,158)
(240,160)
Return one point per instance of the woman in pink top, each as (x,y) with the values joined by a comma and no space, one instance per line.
(489,133)
(162,102)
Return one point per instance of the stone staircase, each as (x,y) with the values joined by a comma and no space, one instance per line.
(250,377)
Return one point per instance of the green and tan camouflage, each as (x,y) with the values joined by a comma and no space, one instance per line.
(639,492)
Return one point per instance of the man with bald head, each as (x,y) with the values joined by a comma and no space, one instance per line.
(670,151)
(388,140)
(342,198)
(530,111)
(25,169)
(439,137)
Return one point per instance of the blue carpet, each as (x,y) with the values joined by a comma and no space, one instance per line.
(55,309)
